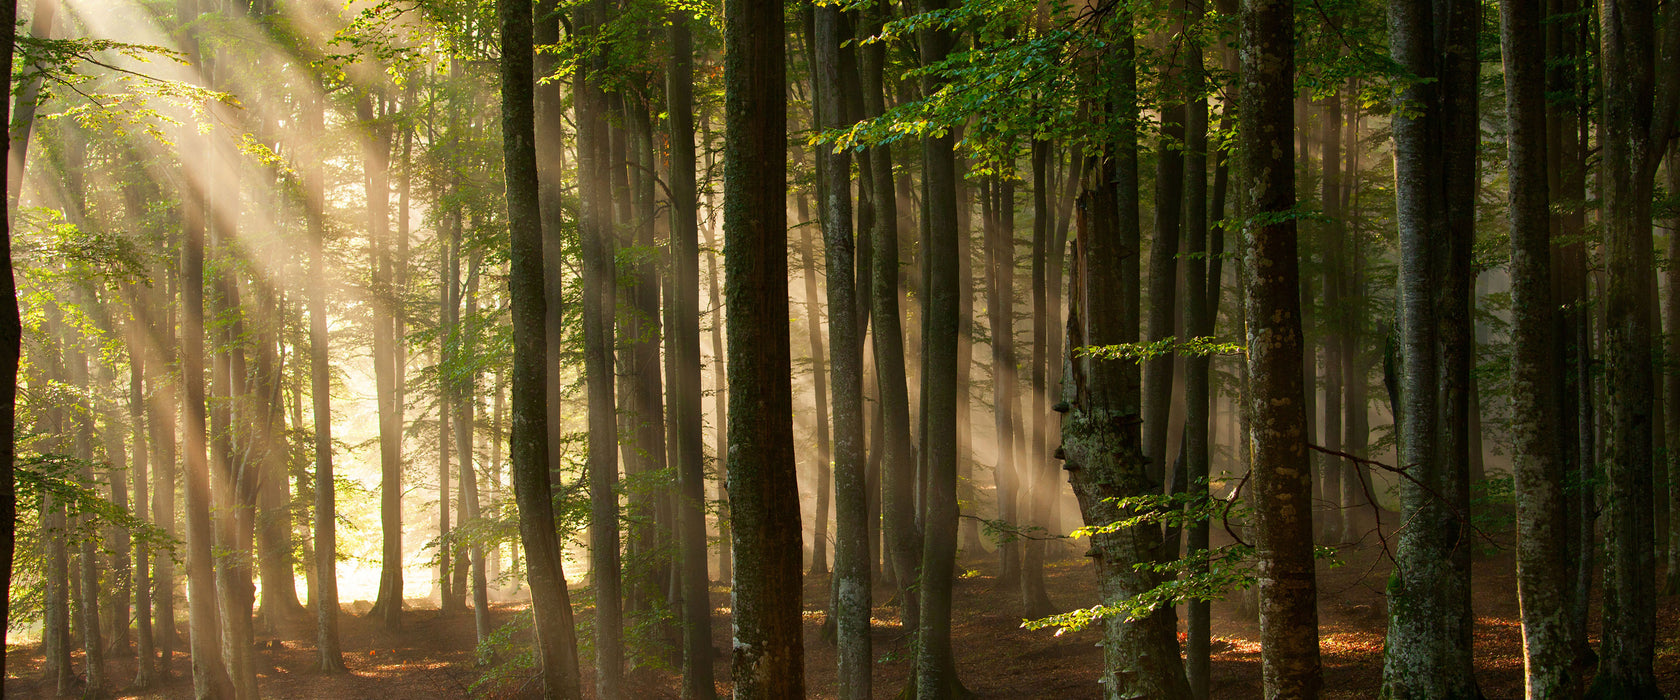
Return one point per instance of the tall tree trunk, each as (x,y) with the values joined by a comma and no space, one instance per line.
(1198,322)
(331,659)
(599,303)
(1542,573)
(376,155)
(210,679)
(1428,653)
(550,601)
(1671,383)
(851,565)
(763,484)
(1640,85)
(1000,306)
(88,563)
(1041,486)
(720,382)
(689,448)
(1281,472)
(1334,235)
(819,383)
(898,461)
(143,434)
(1158,379)
(936,668)
(55,627)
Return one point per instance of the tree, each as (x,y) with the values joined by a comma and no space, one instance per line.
(690,448)
(599,304)
(851,564)
(767,661)
(1281,471)
(330,658)
(1428,653)
(1640,94)
(1542,572)
(528,444)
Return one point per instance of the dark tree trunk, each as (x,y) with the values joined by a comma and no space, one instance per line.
(767,661)
(550,601)
(1640,84)
(1198,322)
(898,461)
(1281,471)
(936,668)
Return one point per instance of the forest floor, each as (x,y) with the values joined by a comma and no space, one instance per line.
(433,657)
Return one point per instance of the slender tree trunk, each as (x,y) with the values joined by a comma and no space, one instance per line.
(550,601)
(763,485)
(1542,573)
(1158,379)
(1000,306)
(1198,322)
(689,449)
(936,670)
(376,149)
(88,563)
(140,357)
(898,461)
(1041,484)
(599,303)
(55,627)
(210,679)
(851,565)
(819,382)
(331,659)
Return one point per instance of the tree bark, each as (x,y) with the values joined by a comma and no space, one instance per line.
(1281,472)
(550,601)
(331,659)
(851,565)
(599,303)
(1639,100)
(1428,653)
(1542,572)
(767,660)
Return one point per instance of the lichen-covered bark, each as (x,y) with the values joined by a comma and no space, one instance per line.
(851,564)
(1542,572)
(1102,447)
(1281,473)
(1428,652)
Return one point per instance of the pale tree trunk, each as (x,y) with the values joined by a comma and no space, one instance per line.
(330,659)
(1542,572)
(1000,307)
(851,565)
(599,302)
(1429,644)
(86,601)
(819,383)
(550,601)
(376,155)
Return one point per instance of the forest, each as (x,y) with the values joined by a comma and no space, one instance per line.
(848,349)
